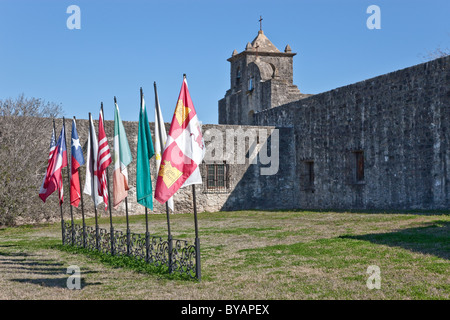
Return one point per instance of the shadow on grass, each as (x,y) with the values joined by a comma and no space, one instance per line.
(31,264)
(31,267)
(432,239)
(13,254)
(54,282)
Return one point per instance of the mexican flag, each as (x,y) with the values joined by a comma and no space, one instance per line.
(122,158)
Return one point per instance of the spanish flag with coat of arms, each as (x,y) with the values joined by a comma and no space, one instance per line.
(184,150)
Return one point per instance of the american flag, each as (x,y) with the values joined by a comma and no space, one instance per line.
(45,192)
(57,162)
(103,160)
(61,162)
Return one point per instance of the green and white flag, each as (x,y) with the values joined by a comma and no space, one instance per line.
(145,151)
(122,158)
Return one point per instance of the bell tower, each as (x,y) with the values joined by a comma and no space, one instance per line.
(261,77)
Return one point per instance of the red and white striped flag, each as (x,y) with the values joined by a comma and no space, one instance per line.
(103,160)
(55,166)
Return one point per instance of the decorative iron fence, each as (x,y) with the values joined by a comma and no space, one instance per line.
(178,255)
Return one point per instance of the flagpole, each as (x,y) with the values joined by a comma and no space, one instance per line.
(147,238)
(81,198)
(82,215)
(147,234)
(128,228)
(93,177)
(169,234)
(60,207)
(69,177)
(197,239)
(126,207)
(109,194)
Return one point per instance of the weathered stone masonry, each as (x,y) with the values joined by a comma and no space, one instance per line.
(399,121)
(245,187)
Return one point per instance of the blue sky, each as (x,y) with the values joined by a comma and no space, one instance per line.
(125,45)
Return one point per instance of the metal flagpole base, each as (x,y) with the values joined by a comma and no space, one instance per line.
(73,233)
(128,242)
(63,231)
(84,235)
(112,240)
(147,247)
(97,238)
(197,259)
(170,242)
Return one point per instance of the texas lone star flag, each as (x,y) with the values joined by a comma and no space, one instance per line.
(184,150)
(77,160)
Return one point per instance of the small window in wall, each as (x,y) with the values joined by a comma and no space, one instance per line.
(217,177)
(308,175)
(250,84)
(359,166)
(238,76)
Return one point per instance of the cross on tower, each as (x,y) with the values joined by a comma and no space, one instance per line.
(260,23)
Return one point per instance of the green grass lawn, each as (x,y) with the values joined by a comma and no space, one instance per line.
(245,255)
